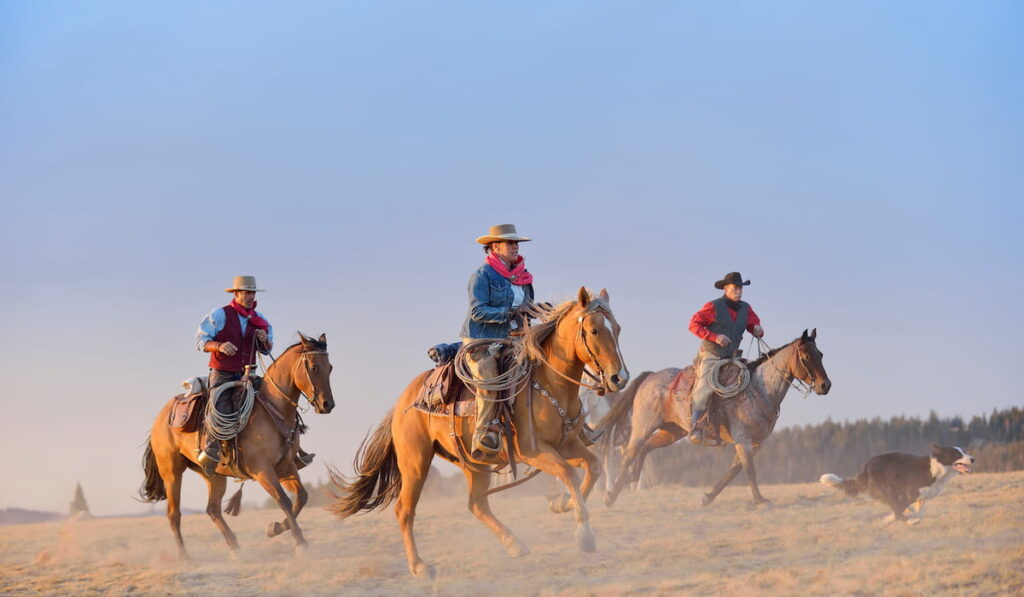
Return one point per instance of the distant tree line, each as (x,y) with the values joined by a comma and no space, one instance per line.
(802,454)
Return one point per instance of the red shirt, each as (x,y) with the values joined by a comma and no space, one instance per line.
(706,316)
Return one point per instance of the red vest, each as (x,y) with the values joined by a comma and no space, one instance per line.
(246,344)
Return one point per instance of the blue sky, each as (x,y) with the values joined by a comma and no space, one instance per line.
(861,164)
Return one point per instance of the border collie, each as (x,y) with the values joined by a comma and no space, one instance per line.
(903,480)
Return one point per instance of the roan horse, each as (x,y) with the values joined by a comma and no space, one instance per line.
(266,455)
(660,418)
(394,461)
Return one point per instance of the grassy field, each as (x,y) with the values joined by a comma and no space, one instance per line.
(809,541)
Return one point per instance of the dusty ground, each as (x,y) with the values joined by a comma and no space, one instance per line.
(810,541)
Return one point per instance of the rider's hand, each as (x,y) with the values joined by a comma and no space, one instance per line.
(227,348)
(758,331)
(723,341)
(261,335)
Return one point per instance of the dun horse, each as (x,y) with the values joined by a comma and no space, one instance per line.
(266,455)
(393,463)
(660,417)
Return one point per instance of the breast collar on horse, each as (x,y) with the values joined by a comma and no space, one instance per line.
(305,366)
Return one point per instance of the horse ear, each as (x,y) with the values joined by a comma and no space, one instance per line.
(803,337)
(584,297)
(323,339)
(603,295)
(814,333)
(303,340)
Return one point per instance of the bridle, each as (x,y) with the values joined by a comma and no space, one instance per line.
(304,361)
(802,386)
(600,377)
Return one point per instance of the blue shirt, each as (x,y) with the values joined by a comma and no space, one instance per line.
(490,301)
(212,324)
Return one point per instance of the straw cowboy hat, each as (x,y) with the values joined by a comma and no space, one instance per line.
(244,283)
(731,278)
(501,232)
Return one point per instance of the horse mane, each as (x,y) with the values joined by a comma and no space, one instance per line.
(304,339)
(535,335)
(752,365)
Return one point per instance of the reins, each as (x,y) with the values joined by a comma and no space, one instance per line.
(303,360)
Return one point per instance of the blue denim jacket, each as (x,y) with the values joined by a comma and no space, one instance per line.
(490,300)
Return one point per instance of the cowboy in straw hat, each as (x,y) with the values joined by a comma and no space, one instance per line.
(232,334)
(497,290)
(719,324)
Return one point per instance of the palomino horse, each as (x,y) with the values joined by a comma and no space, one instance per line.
(394,461)
(267,456)
(659,417)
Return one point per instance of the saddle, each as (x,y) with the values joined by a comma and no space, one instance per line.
(715,416)
(188,408)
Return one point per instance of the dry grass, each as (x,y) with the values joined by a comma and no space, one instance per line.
(810,541)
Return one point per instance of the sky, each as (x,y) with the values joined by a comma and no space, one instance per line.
(859,163)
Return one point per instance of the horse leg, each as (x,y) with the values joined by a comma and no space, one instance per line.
(269,481)
(636,453)
(625,466)
(480,506)
(549,461)
(292,485)
(746,456)
(218,484)
(414,466)
(171,469)
(710,496)
(579,456)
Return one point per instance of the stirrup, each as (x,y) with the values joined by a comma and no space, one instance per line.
(303,459)
(209,463)
(589,435)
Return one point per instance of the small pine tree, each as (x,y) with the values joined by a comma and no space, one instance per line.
(78,504)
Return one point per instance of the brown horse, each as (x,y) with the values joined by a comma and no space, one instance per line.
(661,417)
(394,461)
(266,455)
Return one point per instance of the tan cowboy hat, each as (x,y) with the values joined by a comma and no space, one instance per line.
(501,232)
(732,278)
(243,283)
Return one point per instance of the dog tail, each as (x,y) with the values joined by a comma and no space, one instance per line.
(852,487)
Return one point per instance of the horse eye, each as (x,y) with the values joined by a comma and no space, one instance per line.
(313,368)
(593,332)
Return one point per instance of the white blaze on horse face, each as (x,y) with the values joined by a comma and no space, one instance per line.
(622,373)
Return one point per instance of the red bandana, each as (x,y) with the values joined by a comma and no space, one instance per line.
(250,315)
(518,276)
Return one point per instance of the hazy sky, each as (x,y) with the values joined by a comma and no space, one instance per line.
(860,164)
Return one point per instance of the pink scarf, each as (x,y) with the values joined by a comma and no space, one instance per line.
(518,276)
(250,315)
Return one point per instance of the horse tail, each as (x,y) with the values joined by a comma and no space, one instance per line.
(379,480)
(616,421)
(852,487)
(152,489)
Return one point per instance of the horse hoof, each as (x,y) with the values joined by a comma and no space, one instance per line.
(706,499)
(762,502)
(585,539)
(560,504)
(301,550)
(235,555)
(517,548)
(274,529)
(423,570)
(609,500)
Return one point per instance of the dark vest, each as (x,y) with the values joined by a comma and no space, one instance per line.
(232,332)
(725,326)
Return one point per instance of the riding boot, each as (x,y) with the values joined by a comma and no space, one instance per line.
(209,458)
(696,428)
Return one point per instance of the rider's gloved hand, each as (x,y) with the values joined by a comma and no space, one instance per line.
(261,335)
(723,341)
(226,348)
(758,331)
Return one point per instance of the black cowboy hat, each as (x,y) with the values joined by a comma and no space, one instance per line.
(731,278)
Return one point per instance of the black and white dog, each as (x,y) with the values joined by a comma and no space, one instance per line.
(904,481)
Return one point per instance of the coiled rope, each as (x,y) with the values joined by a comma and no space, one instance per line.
(514,379)
(728,391)
(224,426)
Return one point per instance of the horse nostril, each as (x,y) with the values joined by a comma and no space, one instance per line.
(615,379)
